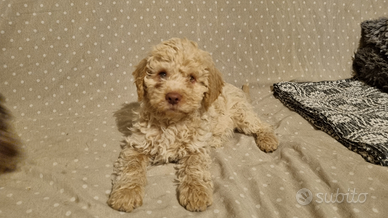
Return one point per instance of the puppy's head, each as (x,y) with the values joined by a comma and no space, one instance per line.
(178,78)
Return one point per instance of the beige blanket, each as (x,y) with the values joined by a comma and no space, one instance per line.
(66,68)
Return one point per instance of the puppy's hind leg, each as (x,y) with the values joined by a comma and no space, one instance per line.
(246,121)
(128,187)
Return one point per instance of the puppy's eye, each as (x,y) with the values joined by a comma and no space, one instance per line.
(192,79)
(162,75)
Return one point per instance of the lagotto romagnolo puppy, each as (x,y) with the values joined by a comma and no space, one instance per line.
(185,109)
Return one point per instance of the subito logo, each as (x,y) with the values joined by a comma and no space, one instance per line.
(304,196)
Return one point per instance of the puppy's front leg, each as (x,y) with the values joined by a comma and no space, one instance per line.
(195,188)
(128,187)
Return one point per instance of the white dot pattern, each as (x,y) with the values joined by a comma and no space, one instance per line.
(65,67)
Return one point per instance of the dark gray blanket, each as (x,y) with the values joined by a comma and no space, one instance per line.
(351,111)
(370,63)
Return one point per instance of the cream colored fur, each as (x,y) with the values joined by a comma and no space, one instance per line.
(185,109)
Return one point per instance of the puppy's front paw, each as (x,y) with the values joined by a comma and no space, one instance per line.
(126,199)
(195,197)
(267,141)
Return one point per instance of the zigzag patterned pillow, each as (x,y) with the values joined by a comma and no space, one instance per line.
(351,111)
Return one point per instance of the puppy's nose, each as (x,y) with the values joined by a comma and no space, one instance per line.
(173,98)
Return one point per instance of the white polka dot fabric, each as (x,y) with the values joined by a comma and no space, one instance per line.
(65,68)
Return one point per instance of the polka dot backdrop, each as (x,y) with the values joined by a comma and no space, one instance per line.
(65,67)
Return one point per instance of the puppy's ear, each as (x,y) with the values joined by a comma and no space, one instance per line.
(139,75)
(215,87)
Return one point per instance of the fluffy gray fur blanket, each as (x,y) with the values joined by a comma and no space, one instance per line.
(9,145)
(370,63)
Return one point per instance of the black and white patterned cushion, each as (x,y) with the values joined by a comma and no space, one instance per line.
(349,110)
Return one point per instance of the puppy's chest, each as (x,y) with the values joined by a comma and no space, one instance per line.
(171,143)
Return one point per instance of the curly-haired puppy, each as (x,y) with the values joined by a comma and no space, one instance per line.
(185,108)
(9,151)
